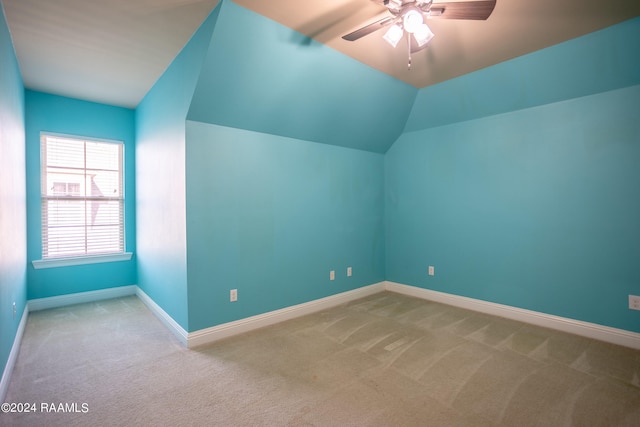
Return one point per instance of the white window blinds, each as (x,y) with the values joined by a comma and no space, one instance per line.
(82,197)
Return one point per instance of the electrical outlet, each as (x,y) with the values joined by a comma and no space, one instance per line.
(432,271)
(349,272)
(332,275)
(634,302)
(233,295)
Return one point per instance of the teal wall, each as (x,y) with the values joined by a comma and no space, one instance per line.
(13,228)
(160,178)
(262,78)
(269,210)
(270,216)
(51,113)
(536,208)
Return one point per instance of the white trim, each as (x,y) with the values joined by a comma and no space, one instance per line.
(164,317)
(225,330)
(577,327)
(79,298)
(13,355)
(89,259)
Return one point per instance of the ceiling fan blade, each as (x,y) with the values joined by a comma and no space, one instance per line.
(478,10)
(368,29)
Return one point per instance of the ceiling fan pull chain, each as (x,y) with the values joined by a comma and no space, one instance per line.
(409,46)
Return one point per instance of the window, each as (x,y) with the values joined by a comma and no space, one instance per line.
(82,197)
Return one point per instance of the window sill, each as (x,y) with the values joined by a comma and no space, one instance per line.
(90,259)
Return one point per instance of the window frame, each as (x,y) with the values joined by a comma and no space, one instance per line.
(80,259)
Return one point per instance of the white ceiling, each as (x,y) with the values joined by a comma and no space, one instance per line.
(112,51)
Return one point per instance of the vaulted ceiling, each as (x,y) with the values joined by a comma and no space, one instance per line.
(112,51)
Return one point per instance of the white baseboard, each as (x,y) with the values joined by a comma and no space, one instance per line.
(80,297)
(218,332)
(164,317)
(577,327)
(215,333)
(13,355)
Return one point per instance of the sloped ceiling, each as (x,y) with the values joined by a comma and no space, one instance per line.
(254,77)
(598,62)
(112,51)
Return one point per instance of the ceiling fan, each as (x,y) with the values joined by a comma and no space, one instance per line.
(409,16)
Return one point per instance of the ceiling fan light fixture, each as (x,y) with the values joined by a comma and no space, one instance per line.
(412,20)
(423,35)
(393,35)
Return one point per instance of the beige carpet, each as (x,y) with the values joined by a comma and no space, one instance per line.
(386,360)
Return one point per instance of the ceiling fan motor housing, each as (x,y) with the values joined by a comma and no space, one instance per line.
(399,7)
